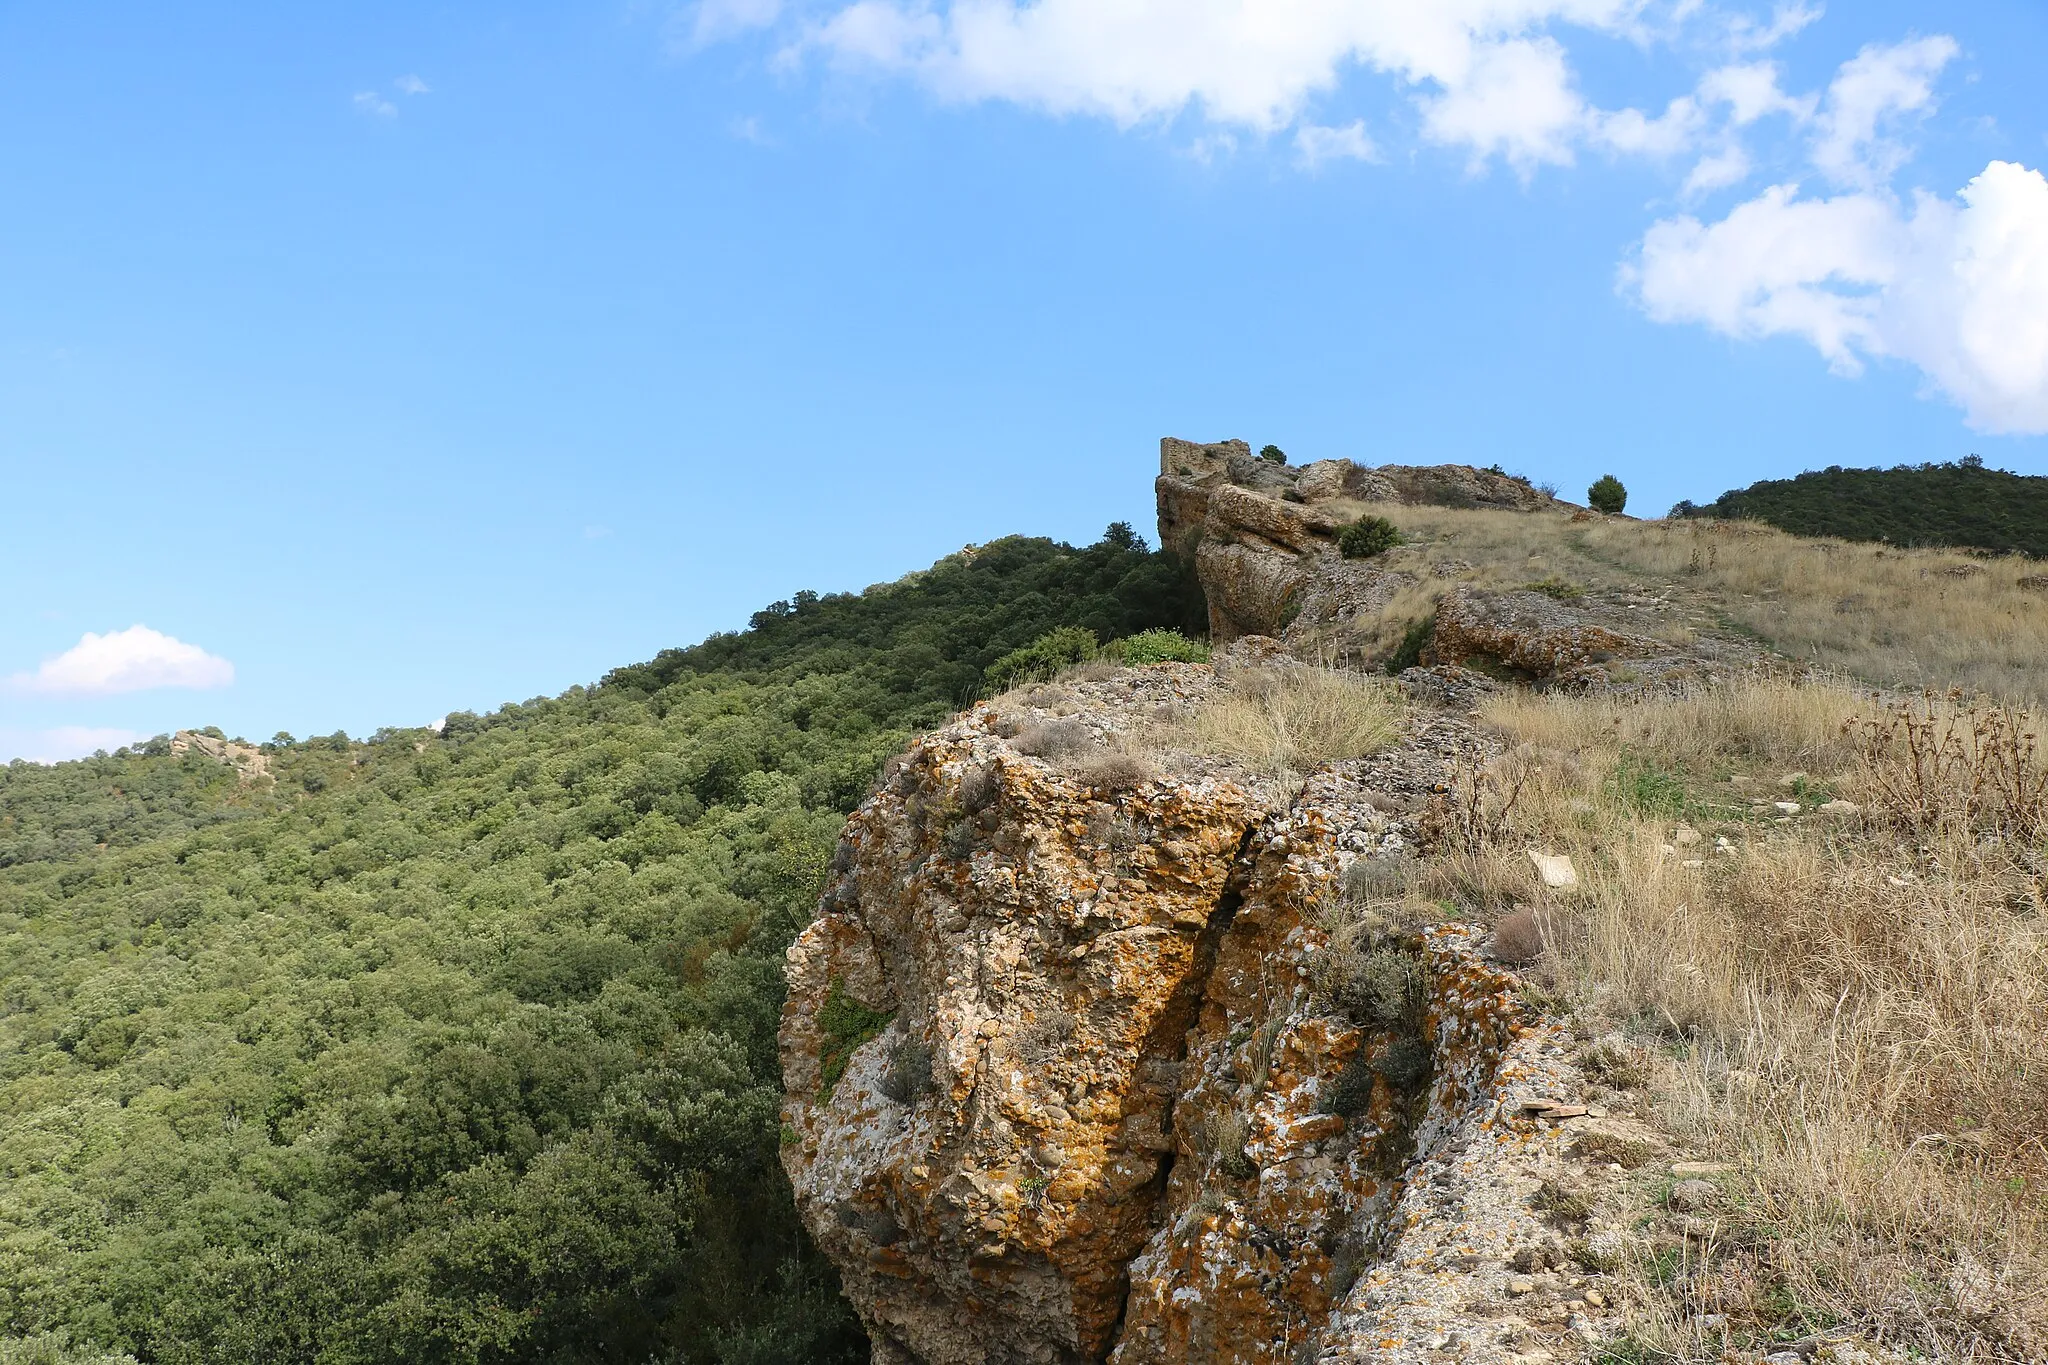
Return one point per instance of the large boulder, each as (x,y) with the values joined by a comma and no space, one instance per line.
(1530,636)
(1068,1079)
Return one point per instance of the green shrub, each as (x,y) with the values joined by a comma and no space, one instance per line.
(55,1348)
(846,1024)
(1607,495)
(1273,454)
(910,1071)
(1350,1090)
(1555,588)
(1377,987)
(1157,647)
(1368,536)
(1043,657)
(1646,788)
(1408,654)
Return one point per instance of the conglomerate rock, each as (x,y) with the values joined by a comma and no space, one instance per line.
(1073,1072)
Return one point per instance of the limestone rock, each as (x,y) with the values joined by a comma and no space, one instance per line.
(1457,485)
(1692,1196)
(1555,869)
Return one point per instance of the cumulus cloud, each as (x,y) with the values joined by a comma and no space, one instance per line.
(374,104)
(1487,75)
(1314,145)
(1866,98)
(412,85)
(1717,171)
(1515,99)
(1751,92)
(63,743)
(133,660)
(1956,287)
(1676,130)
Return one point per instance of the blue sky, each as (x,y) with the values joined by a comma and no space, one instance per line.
(380,360)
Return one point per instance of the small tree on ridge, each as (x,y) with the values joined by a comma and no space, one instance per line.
(1607,495)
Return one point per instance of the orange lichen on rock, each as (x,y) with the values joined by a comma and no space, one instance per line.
(1000,1143)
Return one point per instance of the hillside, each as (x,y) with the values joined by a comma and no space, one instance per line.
(1146,1014)
(1962,504)
(461,1047)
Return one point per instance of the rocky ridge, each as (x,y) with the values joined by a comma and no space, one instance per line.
(1098,1049)
(1263,539)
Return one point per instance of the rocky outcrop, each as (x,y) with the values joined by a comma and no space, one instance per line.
(1529,635)
(248,761)
(1263,536)
(1082,1063)
(988,1164)
(1263,540)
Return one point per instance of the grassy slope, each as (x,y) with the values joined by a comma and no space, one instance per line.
(1850,1010)
(1876,613)
(461,1047)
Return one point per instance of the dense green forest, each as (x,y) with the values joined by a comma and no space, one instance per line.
(1961,504)
(460,1046)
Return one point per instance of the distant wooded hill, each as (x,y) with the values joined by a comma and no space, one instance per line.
(1960,504)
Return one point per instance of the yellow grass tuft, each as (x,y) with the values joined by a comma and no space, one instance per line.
(1287,720)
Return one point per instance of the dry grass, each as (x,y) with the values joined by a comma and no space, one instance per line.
(1762,721)
(1901,617)
(1913,618)
(1286,721)
(1860,1026)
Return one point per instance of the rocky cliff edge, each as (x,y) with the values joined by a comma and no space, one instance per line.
(1084,1060)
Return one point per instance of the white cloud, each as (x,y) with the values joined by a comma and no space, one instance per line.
(370,102)
(412,85)
(1956,287)
(63,743)
(1717,171)
(1866,96)
(713,21)
(131,660)
(1672,132)
(1314,145)
(1487,74)
(1750,90)
(1515,99)
(1745,34)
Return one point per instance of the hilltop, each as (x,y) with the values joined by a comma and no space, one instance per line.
(1963,505)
